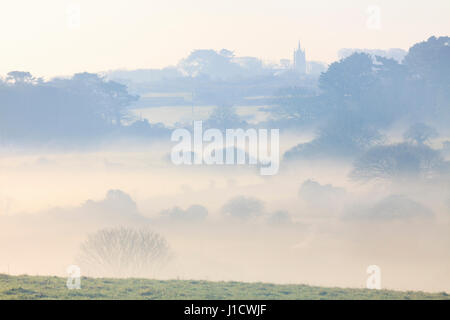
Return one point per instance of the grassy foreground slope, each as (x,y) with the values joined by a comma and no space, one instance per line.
(41,287)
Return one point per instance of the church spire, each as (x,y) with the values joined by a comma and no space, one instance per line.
(299,61)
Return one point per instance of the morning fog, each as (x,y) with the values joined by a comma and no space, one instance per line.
(232,149)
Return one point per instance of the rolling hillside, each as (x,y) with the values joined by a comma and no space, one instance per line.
(43,287)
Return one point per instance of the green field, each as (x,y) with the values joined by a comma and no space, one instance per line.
(42,287)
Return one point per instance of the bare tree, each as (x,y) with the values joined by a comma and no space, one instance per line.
(123,252)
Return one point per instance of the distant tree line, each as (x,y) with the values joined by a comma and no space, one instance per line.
(362,95)
(79,109)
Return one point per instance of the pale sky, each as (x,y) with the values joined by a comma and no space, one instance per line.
(44,36)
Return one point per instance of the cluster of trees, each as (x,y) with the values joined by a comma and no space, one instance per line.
(354,101)
(377,91)
(215,78)
(363,95)
(78,109)
(399,161)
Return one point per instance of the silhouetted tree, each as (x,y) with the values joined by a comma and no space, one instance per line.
(348,77)
(123,252)
(19,77)
(242,207)
(343,136)
(85,106)
(428,64)
(430,60)
(397,161)
(224,117)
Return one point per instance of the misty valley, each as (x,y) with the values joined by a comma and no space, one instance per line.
(227,168)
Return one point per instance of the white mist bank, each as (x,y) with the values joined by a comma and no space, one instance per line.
(311,224)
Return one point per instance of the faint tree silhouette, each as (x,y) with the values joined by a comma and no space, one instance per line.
(420,133)
(399,161)
(123,252)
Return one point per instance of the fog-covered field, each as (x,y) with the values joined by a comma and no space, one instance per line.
(309,224)
(87,175)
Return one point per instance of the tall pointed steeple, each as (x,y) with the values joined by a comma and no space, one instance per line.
(299,59)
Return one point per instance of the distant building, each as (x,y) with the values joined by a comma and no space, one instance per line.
(299,60)
(299,65)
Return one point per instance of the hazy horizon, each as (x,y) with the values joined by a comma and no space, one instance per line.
(249,160)
(48,39)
